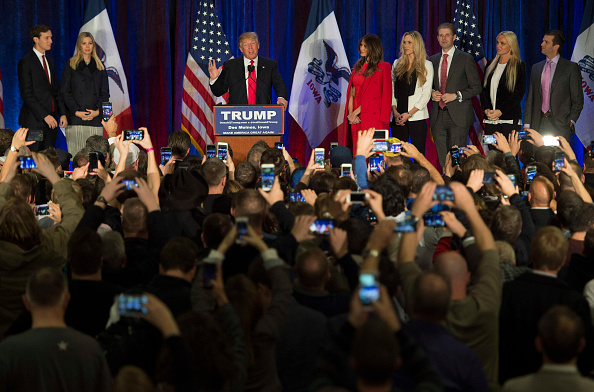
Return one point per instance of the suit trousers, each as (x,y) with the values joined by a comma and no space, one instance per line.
(548,127)
(77,135)
(49,138)
(417,130)
(447,134)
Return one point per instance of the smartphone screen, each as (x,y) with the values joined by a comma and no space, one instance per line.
(211,151)
(130,184)
(345,169)
(522,134)
(380,146)
(455,155)
(132,305)
(242,229)
(395,147)
(209,272)
(165,155)
(322,226)
(512,178)
(433,220)
(106,110)
(530,173)
(332,145)
(369,289)
(551,140)
(267,176)
(405,224)
(375,162)
(559,160)
(27,163)
(295,197)
(222,151)
(489,139)
(133,134)
(93,159)
(278,145)
(443,193)
(41,210)
(319,157)
(489,177)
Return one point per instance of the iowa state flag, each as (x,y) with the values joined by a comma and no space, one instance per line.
(97,23)
(318,95)
(583,54)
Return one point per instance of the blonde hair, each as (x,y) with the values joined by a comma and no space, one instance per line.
(78,56)
(248,35)
(511,70)
(418,64)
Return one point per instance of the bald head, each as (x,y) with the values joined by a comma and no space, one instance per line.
(312,269)
(541,192)
(452,266)
(431,297)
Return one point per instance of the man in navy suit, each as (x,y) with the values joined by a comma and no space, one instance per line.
(40,90)
(451,109)
(555,98)
(248,79)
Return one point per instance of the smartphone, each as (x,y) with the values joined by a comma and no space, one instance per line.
(380,146)
(346,169)
(395,147)
(278,145)
(222,151)
(551,140)
(375,162)
(130,184)
(133,134)
(34,135)
(106,110)
(369,289)
(295,159)
(209,272)
(332,145)
(295,197)
(267,176)
(371,217)
(242,230)
(165,155)
(522,134)
(559,160)
(93,159)
(489,177)
(438,208)
(405,224)
(132,305)
(41,210)
(27,163)
(524,195)
(322,226)
(443,193)
(356,197)
(530,173)
(489,139)
(512,178)
(381,134)
(319,154)
(68,174)
(455,155)
(211,151)
(433,220)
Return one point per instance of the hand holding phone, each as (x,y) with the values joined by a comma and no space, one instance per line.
(133,305)
(267,180)
(369,289)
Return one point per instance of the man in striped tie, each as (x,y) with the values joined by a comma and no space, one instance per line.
(40,90)
(249,79)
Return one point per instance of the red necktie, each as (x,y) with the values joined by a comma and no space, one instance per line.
(252,84)
(444,78)
(48,80)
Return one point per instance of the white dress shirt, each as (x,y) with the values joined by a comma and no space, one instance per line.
(39,54)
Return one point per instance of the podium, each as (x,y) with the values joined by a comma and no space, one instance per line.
(243,125)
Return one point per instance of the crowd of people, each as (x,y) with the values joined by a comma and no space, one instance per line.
(131,272)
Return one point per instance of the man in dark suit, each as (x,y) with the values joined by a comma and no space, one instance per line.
(40,90)
(541,193)
(555,99)
(248,79)
(451,109)
(528,297)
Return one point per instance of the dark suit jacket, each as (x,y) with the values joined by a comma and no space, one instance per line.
(507,101)
(232,79)
(36,92)
(567,98)
(543,217)
(523,302)
(463,77)
(84,88)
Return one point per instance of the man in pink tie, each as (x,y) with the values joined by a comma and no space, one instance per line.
(455,82)
(555,98)
(249,79)
(40,90)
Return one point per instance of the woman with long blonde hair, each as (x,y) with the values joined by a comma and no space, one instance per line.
(84,88)
(412,77)
(504,85)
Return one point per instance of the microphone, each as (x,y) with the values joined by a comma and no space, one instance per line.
(251,69)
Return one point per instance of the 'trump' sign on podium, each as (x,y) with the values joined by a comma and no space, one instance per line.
(249,120)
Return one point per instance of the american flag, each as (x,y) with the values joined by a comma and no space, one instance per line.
(208,42)
(469,40)
(1,104)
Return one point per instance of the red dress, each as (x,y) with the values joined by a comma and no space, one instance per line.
(374,95)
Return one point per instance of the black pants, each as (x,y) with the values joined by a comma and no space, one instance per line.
(49,137)
(417,130)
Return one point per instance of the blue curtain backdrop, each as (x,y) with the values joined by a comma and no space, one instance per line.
(153,38)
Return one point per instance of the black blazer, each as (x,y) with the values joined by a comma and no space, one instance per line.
(507,101)
(36,92)
(84,88)
(232,79)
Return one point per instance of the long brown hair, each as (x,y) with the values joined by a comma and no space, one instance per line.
(375,54)
(78,56)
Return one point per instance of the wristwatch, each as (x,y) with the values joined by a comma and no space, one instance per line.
(13,149)
(370,253)
(459,96)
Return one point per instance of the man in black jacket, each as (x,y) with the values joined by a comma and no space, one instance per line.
(40,90)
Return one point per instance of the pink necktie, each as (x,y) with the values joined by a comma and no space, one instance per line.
(444,78)
(546,87)
(252,85)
